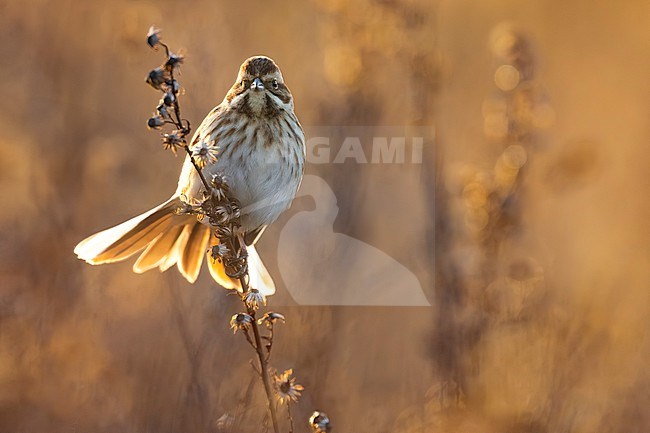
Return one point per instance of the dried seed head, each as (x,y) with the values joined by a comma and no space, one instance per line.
(254,299)
(219,186)
(162,110)
(270,318)
(224,232)
(172,141)
(219,251)
(320,422)
(218,180)
(172,138)
(169,99)
(173,61)
(235,211)
(286,387)
(240,321)
(155,122)
(205,154)
(224,213)
(220,215)
(153,37)
(156,78)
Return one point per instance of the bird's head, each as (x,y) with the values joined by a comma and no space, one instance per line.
(259,89)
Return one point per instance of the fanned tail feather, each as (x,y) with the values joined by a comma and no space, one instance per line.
(259,277)
(168,239)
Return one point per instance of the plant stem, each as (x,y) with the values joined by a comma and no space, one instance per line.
(264,371)
(289,416)
(198,169)
(263,359)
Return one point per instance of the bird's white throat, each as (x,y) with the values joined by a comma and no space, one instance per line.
(256,101)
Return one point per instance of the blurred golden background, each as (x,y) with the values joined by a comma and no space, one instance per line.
(526,223)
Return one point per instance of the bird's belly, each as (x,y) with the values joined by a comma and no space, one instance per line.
(262,181)
(262,164)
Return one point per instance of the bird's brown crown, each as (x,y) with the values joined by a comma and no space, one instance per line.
(258,66)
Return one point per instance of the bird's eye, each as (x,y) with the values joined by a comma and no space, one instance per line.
(275,84)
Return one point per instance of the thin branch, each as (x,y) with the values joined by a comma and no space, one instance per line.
(289,417)
(205,183)
(265,371)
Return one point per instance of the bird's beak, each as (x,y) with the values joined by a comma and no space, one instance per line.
(257,84)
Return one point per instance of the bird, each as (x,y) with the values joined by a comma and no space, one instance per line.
(259,146)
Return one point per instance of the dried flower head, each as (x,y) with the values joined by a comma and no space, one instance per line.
(219,251)
(205,154)
(240,321)
(223,213)
(153,36)
(172,141)
(224,232)
(220,215)
(156,78)
(235,210)
(218,181)
(219,186)
(319,422)
(155,122)
(162,110)
(254,299)
(173,61)
(270,318)
(286,387)
(169,99)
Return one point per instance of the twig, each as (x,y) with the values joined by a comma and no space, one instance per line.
(289,417)
(262,358)
(265,370)
(205,183)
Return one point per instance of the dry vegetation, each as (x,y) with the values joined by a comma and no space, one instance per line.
(527,223)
